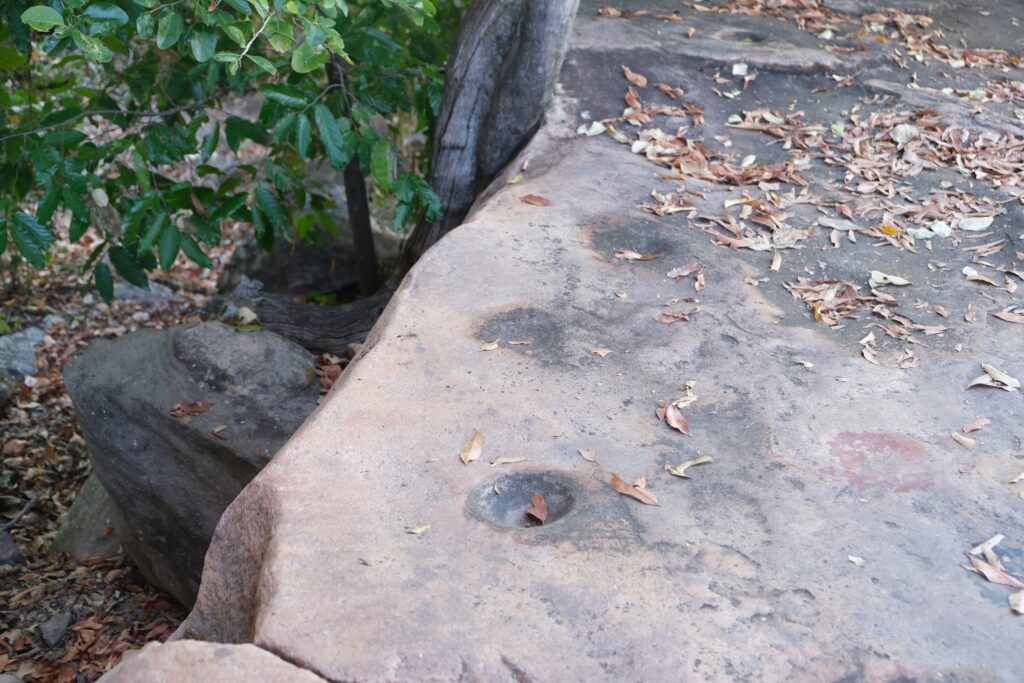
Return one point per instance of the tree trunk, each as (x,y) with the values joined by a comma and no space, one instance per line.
(498,83)
(317,328)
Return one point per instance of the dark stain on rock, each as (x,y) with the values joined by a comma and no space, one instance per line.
(543,329)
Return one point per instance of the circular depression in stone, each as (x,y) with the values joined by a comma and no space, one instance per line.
(745,37)
(503,501)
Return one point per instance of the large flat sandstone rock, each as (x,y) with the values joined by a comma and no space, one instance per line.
(825,541)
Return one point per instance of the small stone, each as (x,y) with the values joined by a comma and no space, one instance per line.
(55,628)
(9,553)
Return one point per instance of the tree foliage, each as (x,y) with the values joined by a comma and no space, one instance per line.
(112,126)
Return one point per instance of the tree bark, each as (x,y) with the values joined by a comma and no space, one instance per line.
(316,328)
(368,271)
(498,83)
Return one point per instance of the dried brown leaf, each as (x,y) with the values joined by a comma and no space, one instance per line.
(975,425)
(589,454)
(633,77)
(506,460)
(680,469)
(994,574)
(535,199)
(538,508)
(638,490)
(473,448)
(964,441)
(630,255)
(190,408)
(671,415)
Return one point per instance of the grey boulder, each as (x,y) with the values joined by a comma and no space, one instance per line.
(177,423)
(90,528)
(17,359)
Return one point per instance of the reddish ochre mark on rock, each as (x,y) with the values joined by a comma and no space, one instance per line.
(881,460)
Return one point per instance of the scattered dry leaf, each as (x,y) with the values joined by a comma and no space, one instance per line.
(633,77)
(589,454)
(680,469)
(490,346)
(505,460)
(994,574)
(976,425)
(964,441)
(473,448)
(630,255)
(535,199)
(878,279)
(670,415)
(601,352)
(638,490)
(187,409)
(1013,314)
(994,377)
(538,508)
(417,530)
(859,561)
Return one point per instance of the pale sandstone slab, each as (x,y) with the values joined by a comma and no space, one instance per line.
(743,572)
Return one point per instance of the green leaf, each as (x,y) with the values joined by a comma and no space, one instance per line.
(203,42)
(104,282)
(91,47)
(128,266)
(303,136)
(306,58)
(77,229)
(210,144)
(145,25)
(192,250)
(152,233)
(264,64)
(105,17)
(271,207)
(168,30)
(380,163)
(31,238)
(170,241)
(3,235)
(287,95)
(279,33)
(284,127)
(231,57)
(48,204)
(331,134)
(42,18)
(148,4)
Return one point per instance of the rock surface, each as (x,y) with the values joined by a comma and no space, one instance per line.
(55,628)
(90,528)
(17,359)
(9,551)
(367,550)
(189,660)
(173,476)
